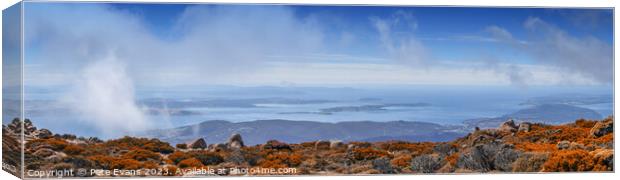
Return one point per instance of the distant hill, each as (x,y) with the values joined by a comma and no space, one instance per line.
(545,113)
(256,132)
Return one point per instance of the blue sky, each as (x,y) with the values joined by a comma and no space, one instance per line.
(271,44)
(94,56)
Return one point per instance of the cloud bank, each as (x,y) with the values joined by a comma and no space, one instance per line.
(549,45)
(103,95)
(104,53)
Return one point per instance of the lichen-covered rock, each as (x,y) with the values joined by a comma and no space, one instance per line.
(426,163)
(602,128)
(321,144)
(563,145)
(199,143)
(509,126)
(44,152)
(524,127)
(43,134)
(605,157)
(488,157)
(335,144)
(276,145)
(445,149)
(383,165)
(235,141)
(15,127)
(218,147)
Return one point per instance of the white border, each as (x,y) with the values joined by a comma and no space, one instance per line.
(503,3)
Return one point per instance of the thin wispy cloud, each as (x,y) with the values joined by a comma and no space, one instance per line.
(549,45)
(406,48)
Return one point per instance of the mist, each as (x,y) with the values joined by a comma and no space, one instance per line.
(106,53)
(103,96)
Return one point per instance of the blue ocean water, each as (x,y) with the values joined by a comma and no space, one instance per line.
(436,104)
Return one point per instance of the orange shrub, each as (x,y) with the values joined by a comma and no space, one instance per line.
(281,160)
(129,164)
(182,146)
(582,123)
(452,159)
(402,161)
(415,148)
(150,165)
(55,143)
(154,145)
(191,162)
(206,158)
(73,149)
(569,161)
(603,159)
(178,156)
(367,154)
(103,161)
(141,155)
(536,147)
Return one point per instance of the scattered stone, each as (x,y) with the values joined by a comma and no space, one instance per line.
(575,145)
(335,144)
(181,146)
(43,134)
(199,143)
(321,144)
(563,145)
(525,127)
(383,165)
(235,142)
(218,147)
(606,156)
(29,127)
(351,146)
(276,145)
(44,152)
(602,128)
(445,149)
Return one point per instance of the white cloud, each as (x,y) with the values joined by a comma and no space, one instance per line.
(213,42)
(407,49)
(71,45)
(549,45)
(103,96)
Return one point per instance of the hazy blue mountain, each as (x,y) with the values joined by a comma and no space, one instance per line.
(570,99)
(255,132)
(241,103)
(379,107)
(545,113)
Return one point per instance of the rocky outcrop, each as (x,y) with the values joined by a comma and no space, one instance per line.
(602,128)
(199,143)
(321,144)
(335,144)
(567,145)
(235,142)
(509,126)
(525,127)
(218,147)
(44,152)
(276,145)
(15,127)
(605,156)
(43,134)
